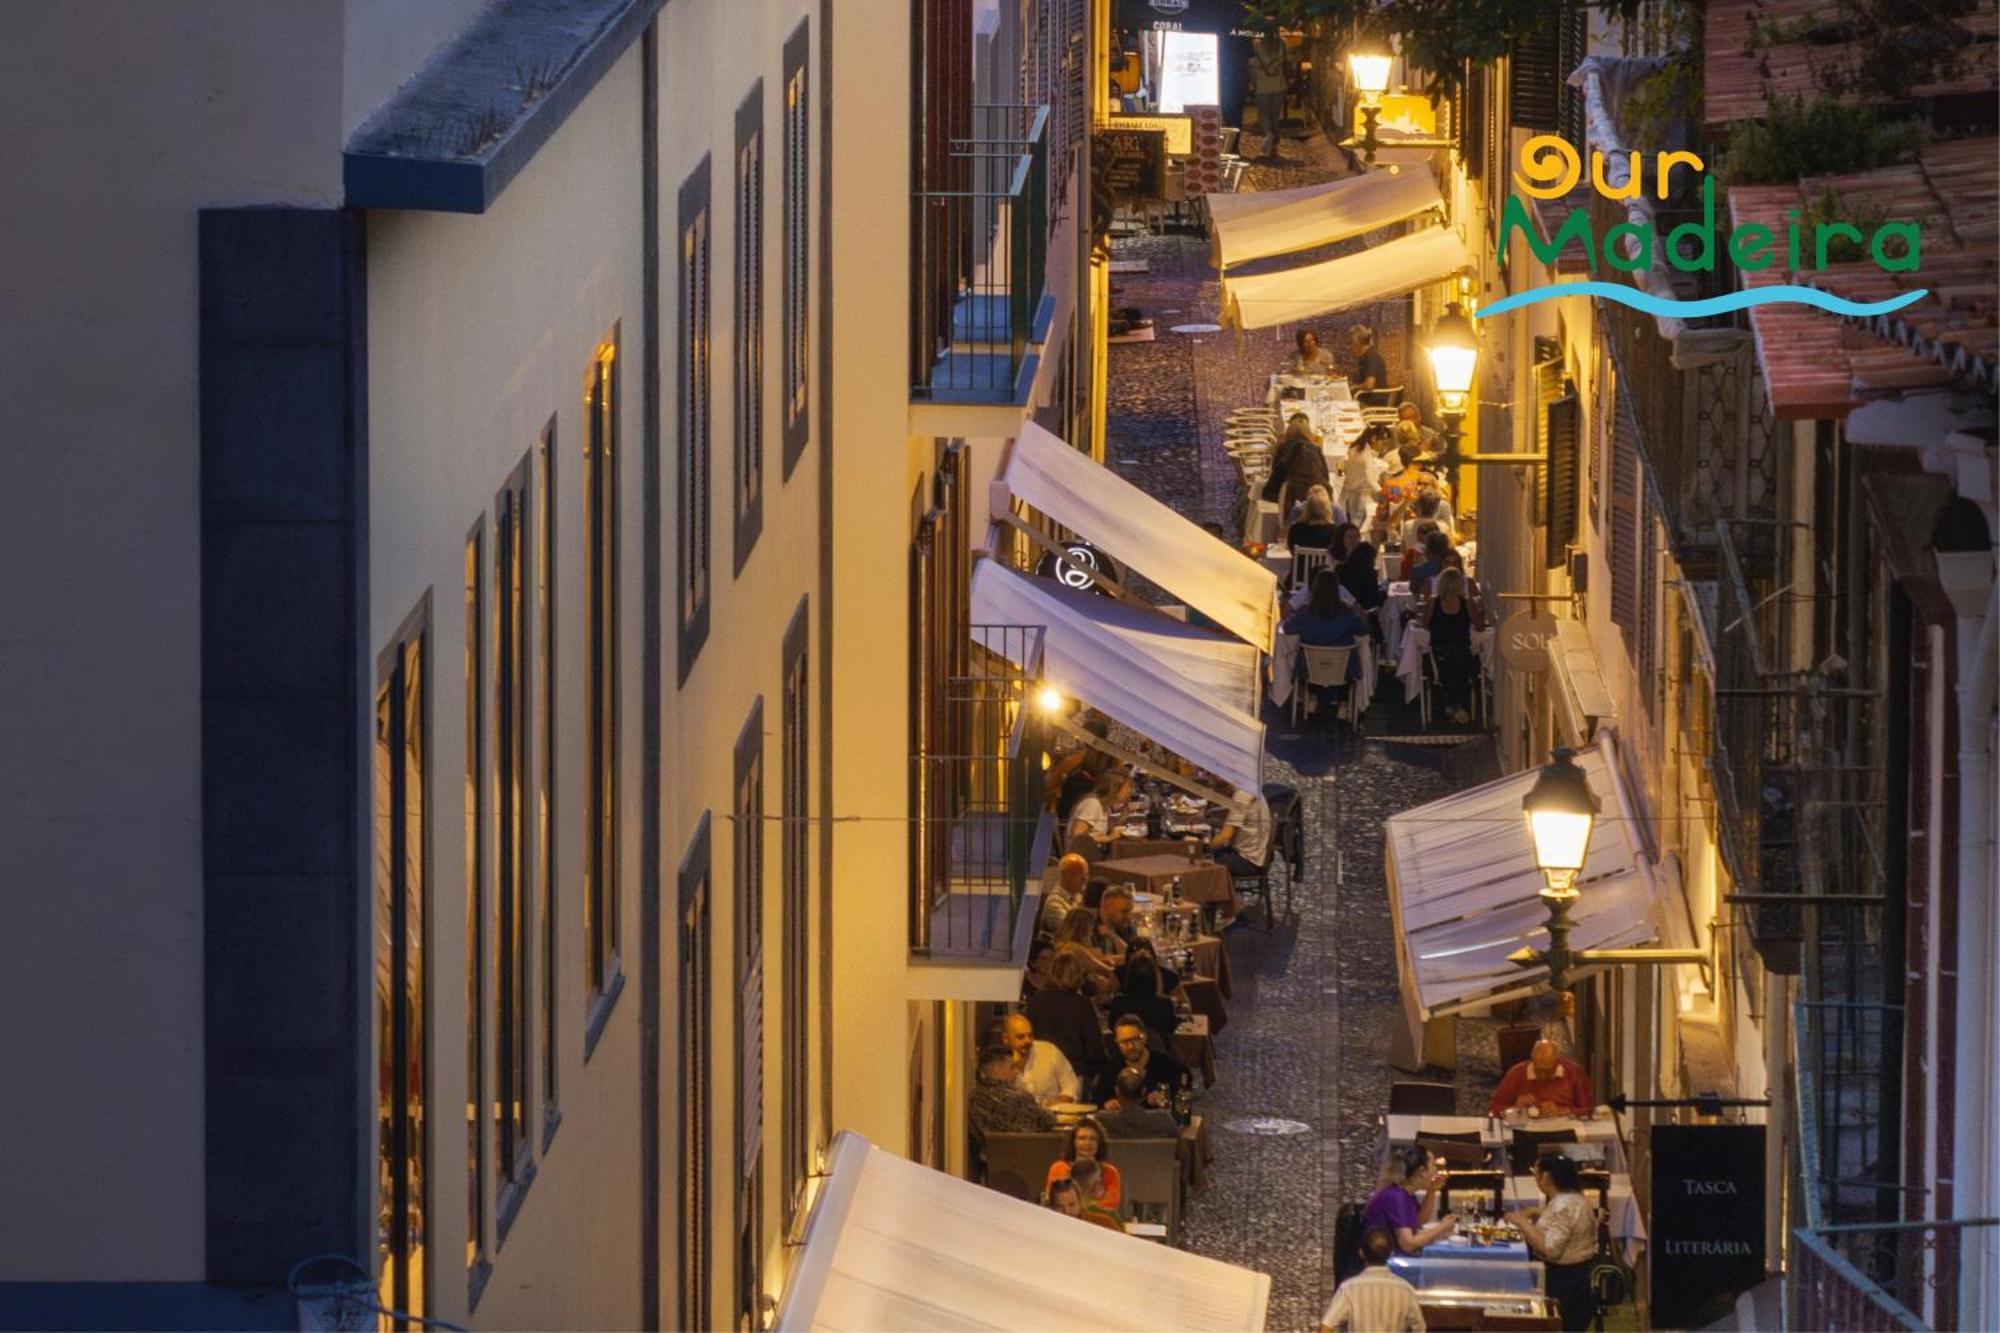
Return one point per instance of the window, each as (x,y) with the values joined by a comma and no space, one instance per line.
(511,937)
(795,842)
(600,679)
(1624,509)
(692,1081)
(545,828)
(798,215)
(402,984)
(694,417)
(1562,419)
(749,877)
(749,357)
(475,918)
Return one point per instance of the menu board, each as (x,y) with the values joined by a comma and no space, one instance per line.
(1708,1220)
(1131,163)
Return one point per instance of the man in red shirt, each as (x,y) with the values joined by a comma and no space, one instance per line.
(1553,1083)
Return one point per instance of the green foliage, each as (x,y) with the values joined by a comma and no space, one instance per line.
(1830,206)
(1824,138)
(1662,103)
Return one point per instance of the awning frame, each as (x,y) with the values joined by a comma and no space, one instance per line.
(1139,762)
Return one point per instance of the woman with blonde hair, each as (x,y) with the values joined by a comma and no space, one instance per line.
(1451,616)
(1073,939)
(1320,523)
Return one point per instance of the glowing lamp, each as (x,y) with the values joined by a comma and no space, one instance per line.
(1561,810)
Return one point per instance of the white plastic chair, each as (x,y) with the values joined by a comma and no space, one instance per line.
(1324,667)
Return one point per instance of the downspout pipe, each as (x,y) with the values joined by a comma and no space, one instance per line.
(1975,1135)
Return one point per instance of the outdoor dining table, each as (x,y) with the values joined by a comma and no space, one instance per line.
(1204,997)
(1328,404)
(1416,640)
(1195,1152)
(1202,881)
(1454,1262)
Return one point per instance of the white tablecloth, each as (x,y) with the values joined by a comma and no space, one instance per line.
(1399,600)
(1284,670)
(1329,406)
(1602,1130)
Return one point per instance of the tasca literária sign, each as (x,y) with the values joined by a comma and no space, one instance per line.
(1551,168)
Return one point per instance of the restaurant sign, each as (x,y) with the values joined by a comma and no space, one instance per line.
(1708,1220)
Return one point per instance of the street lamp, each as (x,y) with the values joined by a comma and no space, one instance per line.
(1371,79)
(1562,810)
(1453,348)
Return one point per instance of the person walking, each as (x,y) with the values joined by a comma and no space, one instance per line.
(1267,86)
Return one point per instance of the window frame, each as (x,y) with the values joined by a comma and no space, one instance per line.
(604,977)
(795,897)
(695,1091)
(513,936)
(748,334)
(478,1266)
(547,866)
(694,581)
(747,876)
(797,280)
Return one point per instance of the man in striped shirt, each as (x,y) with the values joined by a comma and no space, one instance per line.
(1374,1300)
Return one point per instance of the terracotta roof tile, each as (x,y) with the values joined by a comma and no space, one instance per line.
(1741,72)
(1817,364)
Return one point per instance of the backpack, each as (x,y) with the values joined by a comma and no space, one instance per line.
(1610,1279)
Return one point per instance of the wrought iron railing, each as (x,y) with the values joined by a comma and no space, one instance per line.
(986,830)
(980,232)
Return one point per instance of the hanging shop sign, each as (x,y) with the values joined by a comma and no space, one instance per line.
(1213,16)
(1708,1220)
(1523,639)
(1071,576)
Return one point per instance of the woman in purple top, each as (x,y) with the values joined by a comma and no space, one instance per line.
(1395,1207)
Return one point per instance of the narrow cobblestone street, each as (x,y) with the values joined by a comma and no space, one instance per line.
(1316,997)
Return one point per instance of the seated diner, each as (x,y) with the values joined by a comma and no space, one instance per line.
(1546,1084)
(1396,1207)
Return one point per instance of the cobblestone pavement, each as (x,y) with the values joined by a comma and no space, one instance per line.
(1317,997)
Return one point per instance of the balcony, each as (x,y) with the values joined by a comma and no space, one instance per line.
(980,227)
(978,847)
(1846,1279)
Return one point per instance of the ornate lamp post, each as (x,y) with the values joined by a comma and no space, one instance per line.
(1562,811)
(1453,349)
(1371,79)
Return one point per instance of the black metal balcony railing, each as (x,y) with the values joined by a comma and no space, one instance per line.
(987,831)
(980,237)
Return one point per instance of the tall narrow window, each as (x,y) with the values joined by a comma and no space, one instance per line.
(749,876)
(402,986)
(511,939)
(795,841)
(692,1081)
(475,917)
(749,358)
(600,672)
(545,825)
(692,377)
(798,215)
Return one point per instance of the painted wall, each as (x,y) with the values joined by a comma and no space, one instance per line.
(480,329)
(122,120)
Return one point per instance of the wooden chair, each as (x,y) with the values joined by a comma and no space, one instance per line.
(1414,1098)
(1308,561)
(1461,1182)
(1288,831)
(1527,1145)
(1018,1164)
(1452,1318)
(1150,1181)
(1325,668)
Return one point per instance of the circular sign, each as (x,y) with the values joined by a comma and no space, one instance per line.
(1076,572)
(1523,640)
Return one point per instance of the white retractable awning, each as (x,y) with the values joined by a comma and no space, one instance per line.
(1584,703)
(1463,885)
(1243,227)
(1375,274)
(894,1245)
(1185,691)
(1112,514)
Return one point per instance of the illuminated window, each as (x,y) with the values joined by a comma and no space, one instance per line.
(475,917)
(600,678)
(511,939)
(692,446)
(749,341)
(402,986)
(545,828)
